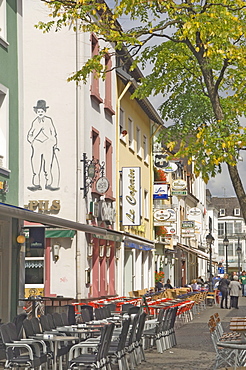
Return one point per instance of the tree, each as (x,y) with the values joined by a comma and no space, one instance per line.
(197,50)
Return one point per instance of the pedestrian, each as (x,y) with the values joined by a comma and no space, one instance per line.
(194,285)
(223,287)
(243,282)
(168,285)
(235,289)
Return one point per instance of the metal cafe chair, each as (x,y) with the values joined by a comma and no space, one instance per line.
(22,353)
(98,358)
(117,349)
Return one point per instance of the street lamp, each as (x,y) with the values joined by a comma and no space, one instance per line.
(209,241)
(238,250)
(226,243)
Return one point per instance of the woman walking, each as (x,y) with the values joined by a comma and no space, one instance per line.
(235,289)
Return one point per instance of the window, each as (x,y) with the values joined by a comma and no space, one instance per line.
(122,124)
(95,81)
(95,150)
(108,86)
(236,211)
(230,250)
(222,212)
(229,228)
(130,133)
(138,137)
(221,249)
(146,204)
(238,227)
(3,23)
(221,228)
(4,128)
(145,148)
(108,156)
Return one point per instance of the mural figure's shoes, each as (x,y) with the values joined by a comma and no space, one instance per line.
(34,187)
(49,187)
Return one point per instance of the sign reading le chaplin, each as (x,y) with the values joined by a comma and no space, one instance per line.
(131,196)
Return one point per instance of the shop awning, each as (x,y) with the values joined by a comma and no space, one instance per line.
(24,214)
(131,242)
(198,252)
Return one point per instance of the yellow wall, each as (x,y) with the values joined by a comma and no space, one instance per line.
(128,157)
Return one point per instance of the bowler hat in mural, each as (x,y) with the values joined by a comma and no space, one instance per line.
(41,104)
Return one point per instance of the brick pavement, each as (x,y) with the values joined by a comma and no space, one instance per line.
(194,348)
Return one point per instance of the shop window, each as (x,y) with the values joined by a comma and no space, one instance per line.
(4,131)
(3,23)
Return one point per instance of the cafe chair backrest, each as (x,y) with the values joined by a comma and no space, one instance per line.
(51,321)
(44,323)
(28,328)
(57,319)
(64,318)
(36,325)
(90,309)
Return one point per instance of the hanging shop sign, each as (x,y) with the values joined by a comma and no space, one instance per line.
(106,212)
(172,167)
(194,212)
(102,185)
(131,196)
(36,237)
(160,191)
(171,230)
(188,228)
(161,215)
(179,193)
(161,160)
(44,206)
(179,184)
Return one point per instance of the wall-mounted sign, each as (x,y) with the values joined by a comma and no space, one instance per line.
(94,209)
(172,167)
(106,212)
(36,237)
(161,160)
(188,228)
(195,211)
(179,184)
(44,206)
(171,230)
(102,185)
(181,193)
(160,191)
(131,196)
(164,215)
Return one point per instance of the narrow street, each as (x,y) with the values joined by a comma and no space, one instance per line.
(194,348)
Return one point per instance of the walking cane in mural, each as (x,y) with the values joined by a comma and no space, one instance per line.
(43,139)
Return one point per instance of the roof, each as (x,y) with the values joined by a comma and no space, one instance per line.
(226,203)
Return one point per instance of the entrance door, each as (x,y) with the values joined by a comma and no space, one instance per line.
(128,272)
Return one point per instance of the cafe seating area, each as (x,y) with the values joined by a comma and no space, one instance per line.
(116,330)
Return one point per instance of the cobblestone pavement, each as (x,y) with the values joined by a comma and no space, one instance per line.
(194,348)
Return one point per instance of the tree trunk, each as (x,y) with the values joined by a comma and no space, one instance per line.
(238,187)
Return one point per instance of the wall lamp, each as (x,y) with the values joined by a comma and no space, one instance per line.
(56,251)
(21,239)
(90,249)
(101,251)
(108,250)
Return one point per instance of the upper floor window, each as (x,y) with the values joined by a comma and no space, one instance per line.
(146,204)
(236,211)
(122,124)
(221,249)
(229,228)
(138,138)
(3,23)
(94,80)
(221,228)
(238,227)
(108,156)
(222,212)
(4,126)
(108,85)
(130,133)
(145,148)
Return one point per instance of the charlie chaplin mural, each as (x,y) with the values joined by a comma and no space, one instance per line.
(43,139)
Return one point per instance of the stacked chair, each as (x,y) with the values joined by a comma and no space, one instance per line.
(224,356)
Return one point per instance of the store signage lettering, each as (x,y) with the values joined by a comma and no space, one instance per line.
(106,212)
(44,206)
(160,192)
(131,196)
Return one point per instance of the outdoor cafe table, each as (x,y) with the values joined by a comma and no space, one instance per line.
(82,331)
(56,339)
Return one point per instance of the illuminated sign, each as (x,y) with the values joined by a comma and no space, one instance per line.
(131,196)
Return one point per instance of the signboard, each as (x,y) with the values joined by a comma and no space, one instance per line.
(171,230)
(106,212)
(179,184)
(188,228)
(36,237)
(161,215)
(131,196)
(179,192)
(161,160)
(102,185)
(195,211)
(160,191)
(195,214)
(172,167)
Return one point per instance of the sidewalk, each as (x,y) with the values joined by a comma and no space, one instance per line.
(194,348)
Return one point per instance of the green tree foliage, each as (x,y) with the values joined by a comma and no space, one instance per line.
(197,51)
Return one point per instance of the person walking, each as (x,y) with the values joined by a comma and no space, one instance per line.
(223,288)
(235,289)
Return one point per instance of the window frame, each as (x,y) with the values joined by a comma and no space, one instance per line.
(4,132)
(130,133)
(3,22)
